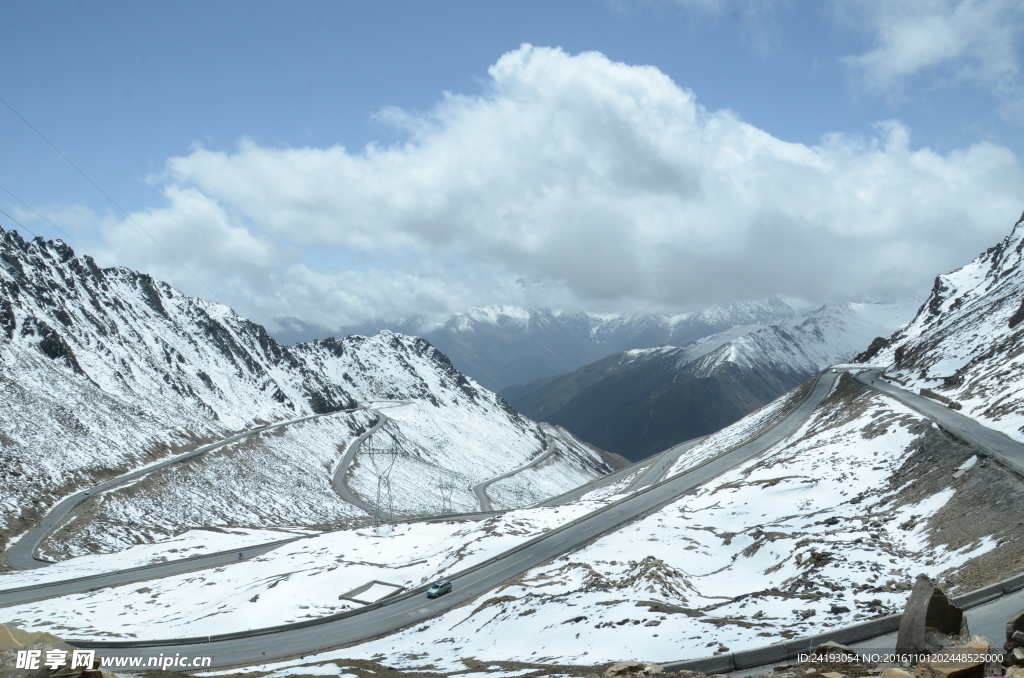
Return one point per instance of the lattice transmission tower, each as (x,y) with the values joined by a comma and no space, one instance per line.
(382,452)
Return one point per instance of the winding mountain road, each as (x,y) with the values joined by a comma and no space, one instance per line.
(480,489)
(413,607)
(663,463)
(23,553)
(27,594)
(340,486)
(992,443)
(989,609)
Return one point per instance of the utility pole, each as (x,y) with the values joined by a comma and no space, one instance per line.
(446,488)
(382,452)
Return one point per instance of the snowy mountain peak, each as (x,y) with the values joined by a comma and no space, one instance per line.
(501,346)
(967,338)
(105,370)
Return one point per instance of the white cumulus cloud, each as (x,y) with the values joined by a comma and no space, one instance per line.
(957,40)
(572,180)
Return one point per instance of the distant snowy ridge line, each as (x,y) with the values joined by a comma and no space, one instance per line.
(413,592)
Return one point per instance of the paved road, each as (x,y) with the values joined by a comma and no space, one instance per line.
(480,489)
(346,461)
(988,618)
(662,464)
(26,594)
(413,607)
(34,592)
(992,443)
(22,554)
(615,476)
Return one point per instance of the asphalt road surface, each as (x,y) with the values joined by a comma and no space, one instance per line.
(994,444)
(576,493)
(22,554)
(662,464)
(27,594)
(414,607)
(16,596)
(987,619)
(346,461)
(990,618)
(480,489)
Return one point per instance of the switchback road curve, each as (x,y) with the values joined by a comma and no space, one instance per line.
(22,554)
(413,607)
(480,489)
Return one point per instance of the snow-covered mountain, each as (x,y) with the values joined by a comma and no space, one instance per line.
(104,370)
(636,403)
(501,346)
(966,344)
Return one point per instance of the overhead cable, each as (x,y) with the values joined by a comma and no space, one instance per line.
(19,223)
(80,245)
(112,201)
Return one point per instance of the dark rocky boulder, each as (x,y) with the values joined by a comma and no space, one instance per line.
(930,621)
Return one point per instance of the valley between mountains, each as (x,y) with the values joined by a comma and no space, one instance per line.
(805,499)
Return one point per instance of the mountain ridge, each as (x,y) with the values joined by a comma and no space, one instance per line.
(106,369)
(636,403)
(502,346)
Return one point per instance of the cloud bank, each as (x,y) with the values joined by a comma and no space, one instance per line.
(960,41)
(572,181)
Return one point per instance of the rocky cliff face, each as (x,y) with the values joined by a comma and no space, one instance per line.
(102,370)
(966,344)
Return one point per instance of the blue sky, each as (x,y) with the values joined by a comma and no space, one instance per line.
(709,150)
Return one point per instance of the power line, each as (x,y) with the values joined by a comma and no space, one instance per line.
(112,201)
(80,245)
(18,222)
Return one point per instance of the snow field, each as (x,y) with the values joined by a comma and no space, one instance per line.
(763,552)
(571,465)
(275,479)
(296,581)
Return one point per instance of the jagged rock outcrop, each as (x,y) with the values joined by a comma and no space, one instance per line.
(967,341)
(106,369)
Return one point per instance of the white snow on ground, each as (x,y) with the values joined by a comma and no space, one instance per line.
(734,434)
(563,470)
(765,551)
(457,442)
(965,343)
(297,581)
(191,543)
(103,371)
(774,548)
(277,479)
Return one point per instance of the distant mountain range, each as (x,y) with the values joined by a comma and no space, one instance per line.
(639,402)
(502,346)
